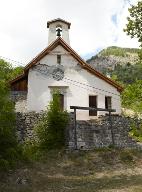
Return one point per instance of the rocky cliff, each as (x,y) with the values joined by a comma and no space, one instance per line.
(108,58)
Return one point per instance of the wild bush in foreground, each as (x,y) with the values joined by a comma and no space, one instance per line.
(9,150)
(136,131)
(51,129)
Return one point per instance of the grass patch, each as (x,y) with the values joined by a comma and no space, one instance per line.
(81,171)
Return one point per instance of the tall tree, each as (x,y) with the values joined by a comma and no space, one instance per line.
(9,150)
(134,25)
(7,72)
(132,96)
(8,142)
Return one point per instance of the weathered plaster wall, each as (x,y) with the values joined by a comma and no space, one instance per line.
(76,86)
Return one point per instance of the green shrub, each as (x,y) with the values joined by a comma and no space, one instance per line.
(51,129)
(7,72)
(9,149)
(136,131)
(131,97)
(4,165)
(31,151)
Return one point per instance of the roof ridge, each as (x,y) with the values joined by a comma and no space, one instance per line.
(81,61)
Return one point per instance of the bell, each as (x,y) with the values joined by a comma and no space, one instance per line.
(59,32)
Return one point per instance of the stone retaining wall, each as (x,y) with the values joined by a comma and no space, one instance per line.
(18,95)
(25,123)
(90,134)
(98,133)
(20,100)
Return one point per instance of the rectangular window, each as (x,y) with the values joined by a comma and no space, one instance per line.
(107,102)
(59,59)
(93,103)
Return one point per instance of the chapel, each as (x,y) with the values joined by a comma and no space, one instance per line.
(59,67)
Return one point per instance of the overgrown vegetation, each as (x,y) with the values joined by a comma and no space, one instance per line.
(132,96)
(9,150)
(136,131)
(7,72)
(51,129)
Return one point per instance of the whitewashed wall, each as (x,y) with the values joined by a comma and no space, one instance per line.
(52,32)
(39,86)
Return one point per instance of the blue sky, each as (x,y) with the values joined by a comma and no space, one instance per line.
(96,24)
(114,19)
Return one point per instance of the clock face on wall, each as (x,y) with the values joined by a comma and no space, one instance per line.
(58,74)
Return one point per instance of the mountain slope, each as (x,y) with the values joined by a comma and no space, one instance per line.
(124,66)
(109,58)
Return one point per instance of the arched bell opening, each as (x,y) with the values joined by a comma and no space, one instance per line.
(58,31)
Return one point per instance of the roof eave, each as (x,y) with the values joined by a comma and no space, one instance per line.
(56,20)
(19,77)
(76,56)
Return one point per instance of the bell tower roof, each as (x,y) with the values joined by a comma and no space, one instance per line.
(58,20)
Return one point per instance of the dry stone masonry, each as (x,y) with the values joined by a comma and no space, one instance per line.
(25,123)
(90,134)
(97,133)
(20,100)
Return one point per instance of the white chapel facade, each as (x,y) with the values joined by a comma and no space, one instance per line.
(59,67)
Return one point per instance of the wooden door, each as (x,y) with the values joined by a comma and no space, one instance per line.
(93,103)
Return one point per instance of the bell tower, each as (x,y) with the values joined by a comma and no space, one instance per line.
(58,28)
